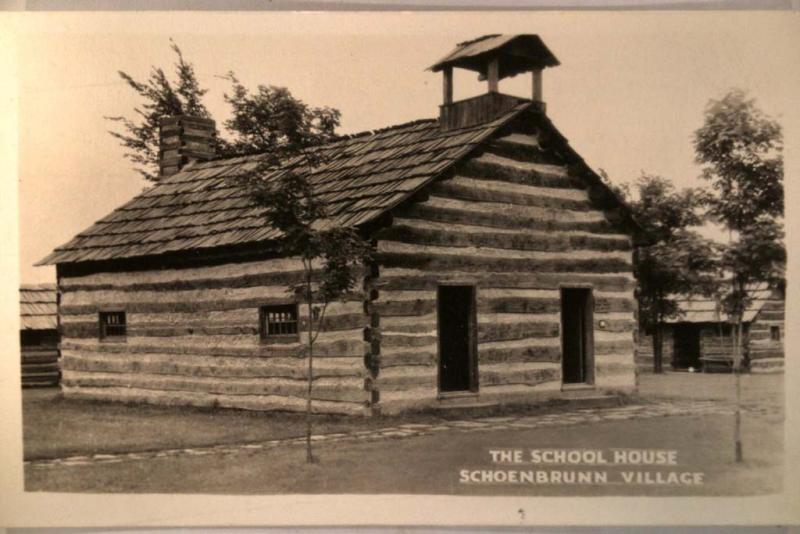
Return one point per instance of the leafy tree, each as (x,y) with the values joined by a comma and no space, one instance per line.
(679,261)
(270,120)
(333,258)
(162,98)
(740,149)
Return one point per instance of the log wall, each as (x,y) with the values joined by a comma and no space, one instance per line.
(39,358)
(767,354)
(518,226)
(193,338)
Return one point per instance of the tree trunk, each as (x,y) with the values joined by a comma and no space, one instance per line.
(309,453)
(737,369)
(658,346)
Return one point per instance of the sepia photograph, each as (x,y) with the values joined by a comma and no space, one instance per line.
(509,254)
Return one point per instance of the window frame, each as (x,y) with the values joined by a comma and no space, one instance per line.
(263,323)
(102,325)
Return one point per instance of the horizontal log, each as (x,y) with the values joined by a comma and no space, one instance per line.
(39,357)
(462,188)
(412,325)
(413,279)
(399,358)
(404,308)
(409,377)
(495,171)
(455,235)
(112,296)
(28,354)
(220,367)
(281,279)
(484,214)
(488,332)
(527,376)
(206,400)
(186,306)
(766,354)
(341,349)
(157,276)
(509,304)
(444,262)
(407,340)
(518,353)
(771,316)
(602,347)
(28,368)
(330,389)
(509,148)
(614,325)
(84,330)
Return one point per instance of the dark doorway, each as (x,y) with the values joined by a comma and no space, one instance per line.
(576,335)
(456,319)
(686,346)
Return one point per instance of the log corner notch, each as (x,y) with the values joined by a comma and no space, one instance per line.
(372,335)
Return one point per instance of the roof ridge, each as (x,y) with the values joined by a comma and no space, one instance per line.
(337,139)
(477,39)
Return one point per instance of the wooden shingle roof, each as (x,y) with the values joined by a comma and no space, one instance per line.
(705,310)
(37,305)
(203,206)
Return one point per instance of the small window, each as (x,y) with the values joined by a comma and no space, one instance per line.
(775,333)
(112,324)
(279,321)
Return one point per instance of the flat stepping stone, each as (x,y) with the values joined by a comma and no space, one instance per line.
(496,419)
(467,424)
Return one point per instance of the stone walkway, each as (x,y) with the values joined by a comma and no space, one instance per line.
(481,424)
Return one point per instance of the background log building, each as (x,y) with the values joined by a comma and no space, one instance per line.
(502,270)
(702,338)
(38,335)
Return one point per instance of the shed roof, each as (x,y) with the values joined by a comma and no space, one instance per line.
(361,177)
(37,304)
(516,53)
(704,310)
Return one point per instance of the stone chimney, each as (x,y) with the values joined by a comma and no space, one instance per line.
(184,139)
(493,57)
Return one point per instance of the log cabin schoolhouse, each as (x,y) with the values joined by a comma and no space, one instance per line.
(502,271)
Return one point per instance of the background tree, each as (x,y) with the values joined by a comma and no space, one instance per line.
(161,98)
(272,120)
(679,261)
(269,120)
(740,149)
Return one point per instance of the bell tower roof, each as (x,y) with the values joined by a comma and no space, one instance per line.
(515,54)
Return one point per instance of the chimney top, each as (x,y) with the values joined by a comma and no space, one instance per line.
(515,54)
(184,138)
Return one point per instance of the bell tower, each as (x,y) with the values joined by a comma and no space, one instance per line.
(493,57)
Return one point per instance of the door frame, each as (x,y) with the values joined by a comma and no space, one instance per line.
(588,322)
(472,341)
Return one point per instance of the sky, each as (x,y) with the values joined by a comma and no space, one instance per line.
(629,93)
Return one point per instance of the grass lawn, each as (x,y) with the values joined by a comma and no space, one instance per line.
(757,389)
(54,427)
(430,464)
